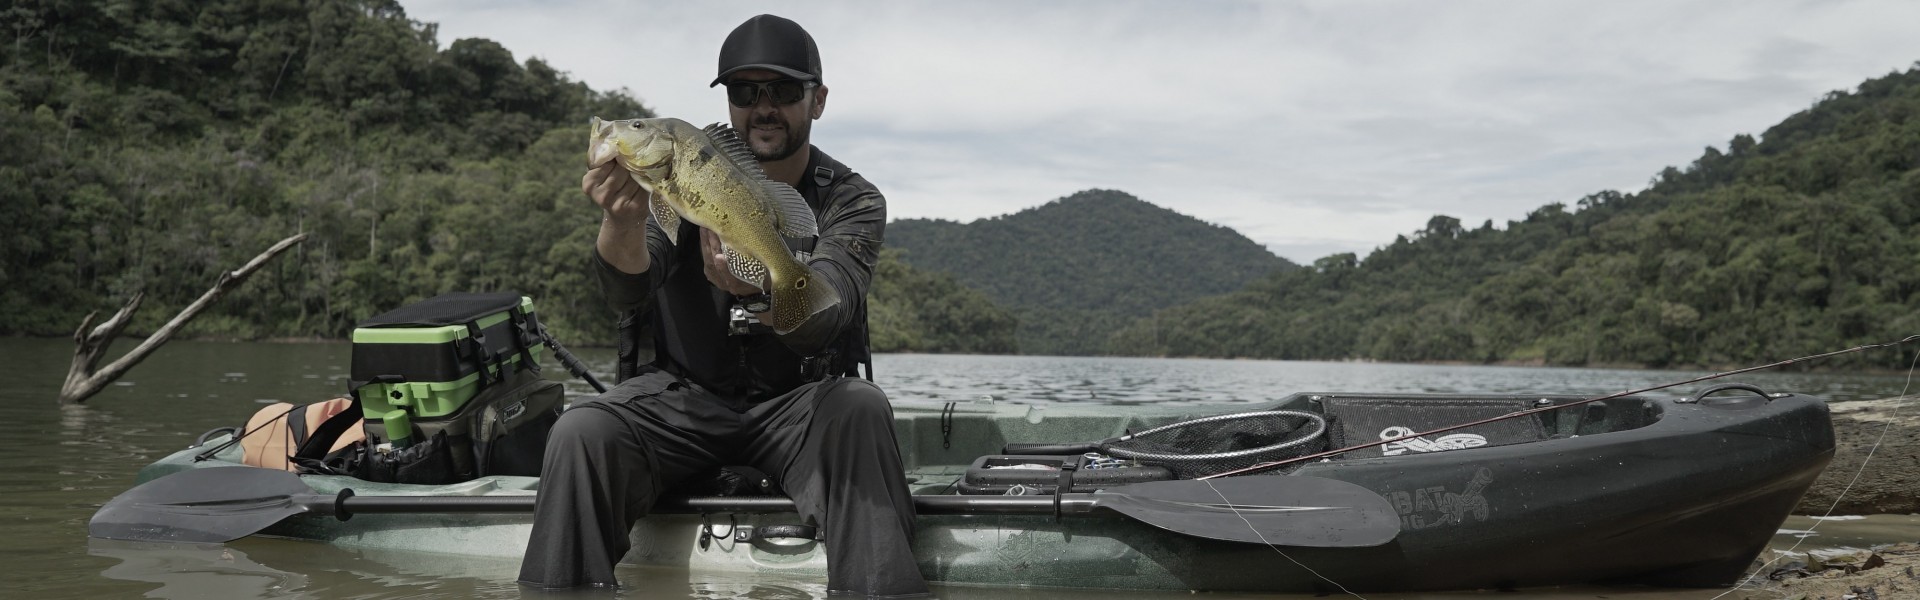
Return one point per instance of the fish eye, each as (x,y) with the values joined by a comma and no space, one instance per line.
(636,122)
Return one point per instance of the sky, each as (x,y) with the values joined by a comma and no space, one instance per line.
(1310,127)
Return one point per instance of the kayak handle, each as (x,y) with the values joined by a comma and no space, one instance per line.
(1730,386)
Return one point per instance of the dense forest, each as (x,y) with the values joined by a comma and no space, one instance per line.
(912,310)
(1803,240)
(1075,269)
(149,146)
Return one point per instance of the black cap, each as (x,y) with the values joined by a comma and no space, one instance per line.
(771,43)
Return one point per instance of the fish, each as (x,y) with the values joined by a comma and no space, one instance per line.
(708,176)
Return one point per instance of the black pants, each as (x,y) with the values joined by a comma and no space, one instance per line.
(830,444)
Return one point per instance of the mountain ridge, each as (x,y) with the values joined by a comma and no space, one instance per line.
(1077,266)
(1803,240)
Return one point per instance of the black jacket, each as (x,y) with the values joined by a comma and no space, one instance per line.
(673,319)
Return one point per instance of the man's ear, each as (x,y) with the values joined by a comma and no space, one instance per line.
(819,102)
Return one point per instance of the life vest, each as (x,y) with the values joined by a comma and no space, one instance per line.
(276,434)
(649,337)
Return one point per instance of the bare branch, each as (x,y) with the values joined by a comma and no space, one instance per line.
(83,380)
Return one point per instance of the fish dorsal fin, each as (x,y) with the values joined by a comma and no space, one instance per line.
(793,217)
(728,142)
(796,217)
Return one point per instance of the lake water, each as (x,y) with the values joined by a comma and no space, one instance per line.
(59,463)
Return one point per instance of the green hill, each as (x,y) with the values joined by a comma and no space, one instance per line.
(148,147)
(912,310)
(1803,240)
(1075,269)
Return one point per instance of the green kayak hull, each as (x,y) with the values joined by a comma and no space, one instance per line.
(1634,490)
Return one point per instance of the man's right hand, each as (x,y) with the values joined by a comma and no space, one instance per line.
(624,206)
(616,193)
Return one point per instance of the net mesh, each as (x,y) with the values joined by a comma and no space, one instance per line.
(1223,443)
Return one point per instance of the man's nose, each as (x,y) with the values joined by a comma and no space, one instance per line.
(764,104)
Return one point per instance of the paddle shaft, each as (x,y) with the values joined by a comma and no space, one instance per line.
(223,504)
(349,505)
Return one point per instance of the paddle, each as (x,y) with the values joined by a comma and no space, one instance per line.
(221,504)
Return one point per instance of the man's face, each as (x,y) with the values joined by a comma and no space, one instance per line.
(775,131)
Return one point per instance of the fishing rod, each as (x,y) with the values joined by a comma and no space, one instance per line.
(568,360)
(1270,465)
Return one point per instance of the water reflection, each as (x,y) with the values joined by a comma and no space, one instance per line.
(195,571)
(1055,379)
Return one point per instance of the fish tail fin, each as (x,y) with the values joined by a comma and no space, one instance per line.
(800,298)
(821,294)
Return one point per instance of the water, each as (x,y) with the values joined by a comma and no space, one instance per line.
(59,463)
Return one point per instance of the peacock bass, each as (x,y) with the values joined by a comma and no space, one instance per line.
(709,177)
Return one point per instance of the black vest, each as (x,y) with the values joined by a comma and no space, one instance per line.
(743,368)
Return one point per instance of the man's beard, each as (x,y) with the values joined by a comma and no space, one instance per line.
(796,136)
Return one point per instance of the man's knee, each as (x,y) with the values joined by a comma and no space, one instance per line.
(587,425)
(851,400)
(856,399)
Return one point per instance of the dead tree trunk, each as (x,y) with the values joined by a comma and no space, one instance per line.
(86,378)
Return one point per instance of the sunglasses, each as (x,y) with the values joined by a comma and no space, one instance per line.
(783,91)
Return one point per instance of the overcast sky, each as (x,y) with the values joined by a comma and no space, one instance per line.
(1310,127)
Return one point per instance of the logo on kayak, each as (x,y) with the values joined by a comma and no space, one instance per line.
(1435,506)
(1402,444)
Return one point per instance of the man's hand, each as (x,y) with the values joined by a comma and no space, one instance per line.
(624,206)
(619,197)
(716,262)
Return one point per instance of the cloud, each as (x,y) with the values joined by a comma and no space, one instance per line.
(1311,127)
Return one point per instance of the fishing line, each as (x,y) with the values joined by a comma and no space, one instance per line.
(1891,419)
(1263,540)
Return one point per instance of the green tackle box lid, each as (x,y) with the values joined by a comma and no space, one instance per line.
(439,319)
(422,357)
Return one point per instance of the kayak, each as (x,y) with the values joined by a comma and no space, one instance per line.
(1635,490)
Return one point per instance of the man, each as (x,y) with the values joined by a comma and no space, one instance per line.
(721,391)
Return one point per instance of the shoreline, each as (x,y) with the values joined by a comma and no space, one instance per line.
(1515,363)
(1880,441)
(1892,571)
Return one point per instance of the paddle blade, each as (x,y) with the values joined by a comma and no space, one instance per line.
(1275,510)
(210,505)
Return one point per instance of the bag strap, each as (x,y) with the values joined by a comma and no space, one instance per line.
(525,335)
(847,354)
(321,439)
(476,349)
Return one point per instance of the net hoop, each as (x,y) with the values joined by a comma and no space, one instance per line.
(1319,424)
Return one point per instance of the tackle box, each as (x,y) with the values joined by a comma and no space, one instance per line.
(430,357)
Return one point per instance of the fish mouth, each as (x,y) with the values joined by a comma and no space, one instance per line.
(600,153)
(598,150)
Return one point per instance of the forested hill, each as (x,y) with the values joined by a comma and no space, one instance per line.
(149,147)
(1078,267)
(1803,240)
